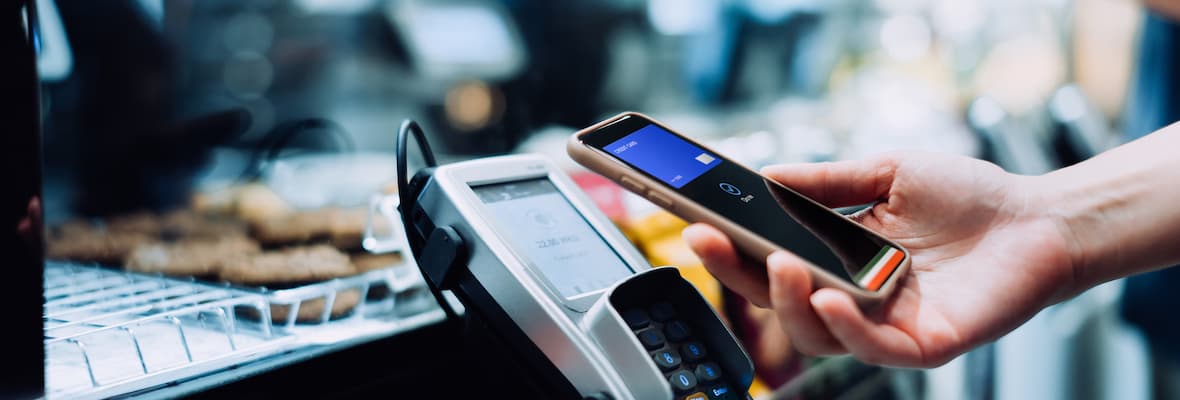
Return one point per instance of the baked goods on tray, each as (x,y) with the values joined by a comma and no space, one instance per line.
(343,228)
(201,258)
(177,224)
(365,262)
(310,310)
(292,265)
(245,236)
(78,242)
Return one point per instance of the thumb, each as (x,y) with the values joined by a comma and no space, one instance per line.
(838,184)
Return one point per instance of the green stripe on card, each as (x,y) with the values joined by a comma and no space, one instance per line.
(869,266)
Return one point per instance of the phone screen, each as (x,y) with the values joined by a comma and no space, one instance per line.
(543,226)
(764,207)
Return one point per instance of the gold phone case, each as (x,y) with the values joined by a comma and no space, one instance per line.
(746,241)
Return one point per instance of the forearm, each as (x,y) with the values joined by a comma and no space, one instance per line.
(1119,211)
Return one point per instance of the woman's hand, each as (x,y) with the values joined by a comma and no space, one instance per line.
(986,256)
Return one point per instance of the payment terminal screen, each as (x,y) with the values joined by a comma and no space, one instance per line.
(543,226)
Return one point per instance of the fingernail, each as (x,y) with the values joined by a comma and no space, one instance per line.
(822,296)
(691,234)
(816,298)
(776,258)
(777,167)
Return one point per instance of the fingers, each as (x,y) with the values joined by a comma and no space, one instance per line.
(838,184)
(869,341)
(790,289)
(723,261)
(823,322)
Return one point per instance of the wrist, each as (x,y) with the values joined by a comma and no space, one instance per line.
(1050,201)
(1115,213)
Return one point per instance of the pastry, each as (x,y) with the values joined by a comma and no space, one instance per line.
(185,224)
(138,222)
(93,245)
(346,228)
(297,228)
(71,227)
(313,310)
(175,225)
(219,201)
(366,262)
(343,228)
(194,257)
(292,265)
(256,203)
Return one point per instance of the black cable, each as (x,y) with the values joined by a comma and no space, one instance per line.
(286,133)
(403,181)
(407,202)
(282,135)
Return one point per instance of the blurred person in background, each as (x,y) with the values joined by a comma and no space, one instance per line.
(116,131)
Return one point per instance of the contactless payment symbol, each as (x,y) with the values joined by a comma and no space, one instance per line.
(541,218)
(731,189)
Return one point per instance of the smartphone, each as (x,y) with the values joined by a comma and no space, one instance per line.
(758,214)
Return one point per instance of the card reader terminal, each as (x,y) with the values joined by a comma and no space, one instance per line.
(525,250)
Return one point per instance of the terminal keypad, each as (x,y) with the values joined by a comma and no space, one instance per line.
(677,353)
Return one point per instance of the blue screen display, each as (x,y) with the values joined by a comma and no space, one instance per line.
(663,155)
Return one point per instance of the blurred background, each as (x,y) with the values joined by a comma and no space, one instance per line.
(149,104)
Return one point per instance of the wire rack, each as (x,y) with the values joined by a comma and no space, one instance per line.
(109,332)
(383,294)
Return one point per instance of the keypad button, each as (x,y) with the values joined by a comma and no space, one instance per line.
(663,311)
(683,381)
(677,331)
(693,351)
(697,396)
(708,372)
(667,360)
(722,393)
(636,318)
(651,338)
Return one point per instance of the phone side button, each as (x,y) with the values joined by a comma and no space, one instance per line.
(631,184)
(660,200)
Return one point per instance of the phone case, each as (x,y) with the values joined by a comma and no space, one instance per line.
(746,241)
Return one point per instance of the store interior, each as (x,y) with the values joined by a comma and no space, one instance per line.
(157,113)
